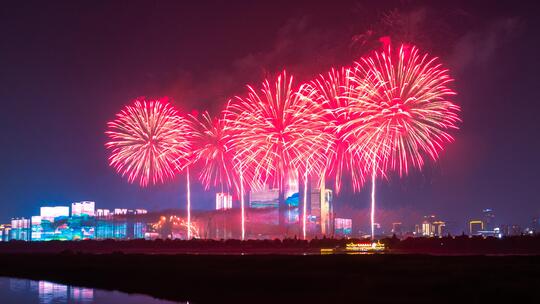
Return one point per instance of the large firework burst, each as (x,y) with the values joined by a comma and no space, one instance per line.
(277,133)
(210,137)
(275,129)
(405,111)
(146,140)
(331,94)
(403,98)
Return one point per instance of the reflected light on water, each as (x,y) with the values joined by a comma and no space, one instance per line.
(43,292)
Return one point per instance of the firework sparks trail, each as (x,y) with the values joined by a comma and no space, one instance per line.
(146,139)
(304,207)
(188,203)
(210,137)
(406,111)
(276,132)
(331,92)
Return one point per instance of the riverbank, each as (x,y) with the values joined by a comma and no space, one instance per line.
(384,278)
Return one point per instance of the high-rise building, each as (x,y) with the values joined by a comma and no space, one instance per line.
(5,232)
(264,198)
(515,230)
(535,226)
(432,227)
(20,229)
(83,208)
(51,213)
(343,227)
(327,212)
(427,226)
(320,208)
(475,226)
(489,219)
(103,212)
(396,228)
(223,201)
(439,228)
(37,229)
(120,211)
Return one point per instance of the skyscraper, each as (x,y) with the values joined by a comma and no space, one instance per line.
(223,201)
(396,228)
(489,219)
(264,198)
(535,226)
(320,209)
(83,208)
(343,227)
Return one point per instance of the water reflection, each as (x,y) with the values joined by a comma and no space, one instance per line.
(43,292)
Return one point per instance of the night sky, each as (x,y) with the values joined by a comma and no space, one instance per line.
(67,67)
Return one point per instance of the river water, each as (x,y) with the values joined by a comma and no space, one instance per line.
(21,291)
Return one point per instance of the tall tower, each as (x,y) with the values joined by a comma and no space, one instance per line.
(321,208)
(489,219)
(327,211)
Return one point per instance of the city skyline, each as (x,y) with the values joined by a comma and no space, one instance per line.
(64,118)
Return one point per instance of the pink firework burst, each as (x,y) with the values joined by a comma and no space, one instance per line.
(210,137)
(405,112)
(276,130)
(146,141)
(405,107)
(331,93)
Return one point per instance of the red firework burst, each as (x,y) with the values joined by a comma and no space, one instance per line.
(210,138)
(147,139)
(331,94)
(403,98)
(276,130)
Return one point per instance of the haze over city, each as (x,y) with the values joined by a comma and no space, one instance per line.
(61,84)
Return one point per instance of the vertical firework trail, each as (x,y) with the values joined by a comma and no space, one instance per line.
(372,215)
(304,211)
(242,207)
(406,112)
(188,204)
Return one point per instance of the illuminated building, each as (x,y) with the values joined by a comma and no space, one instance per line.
(431,227)
(50,213)
(20,229)
(427,226)
(103,212)
(515,230)
(475,226)
(118,211)
(223,201)
(264,198)
(396,228)
(417,230)
(121,224)
(439,228)
(327,212)
(343,227)
(83,208)
(321,211)
(535,226)
(5,232)
(37,229)
(489,219)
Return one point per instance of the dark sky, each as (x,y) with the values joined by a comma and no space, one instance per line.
(67,67)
